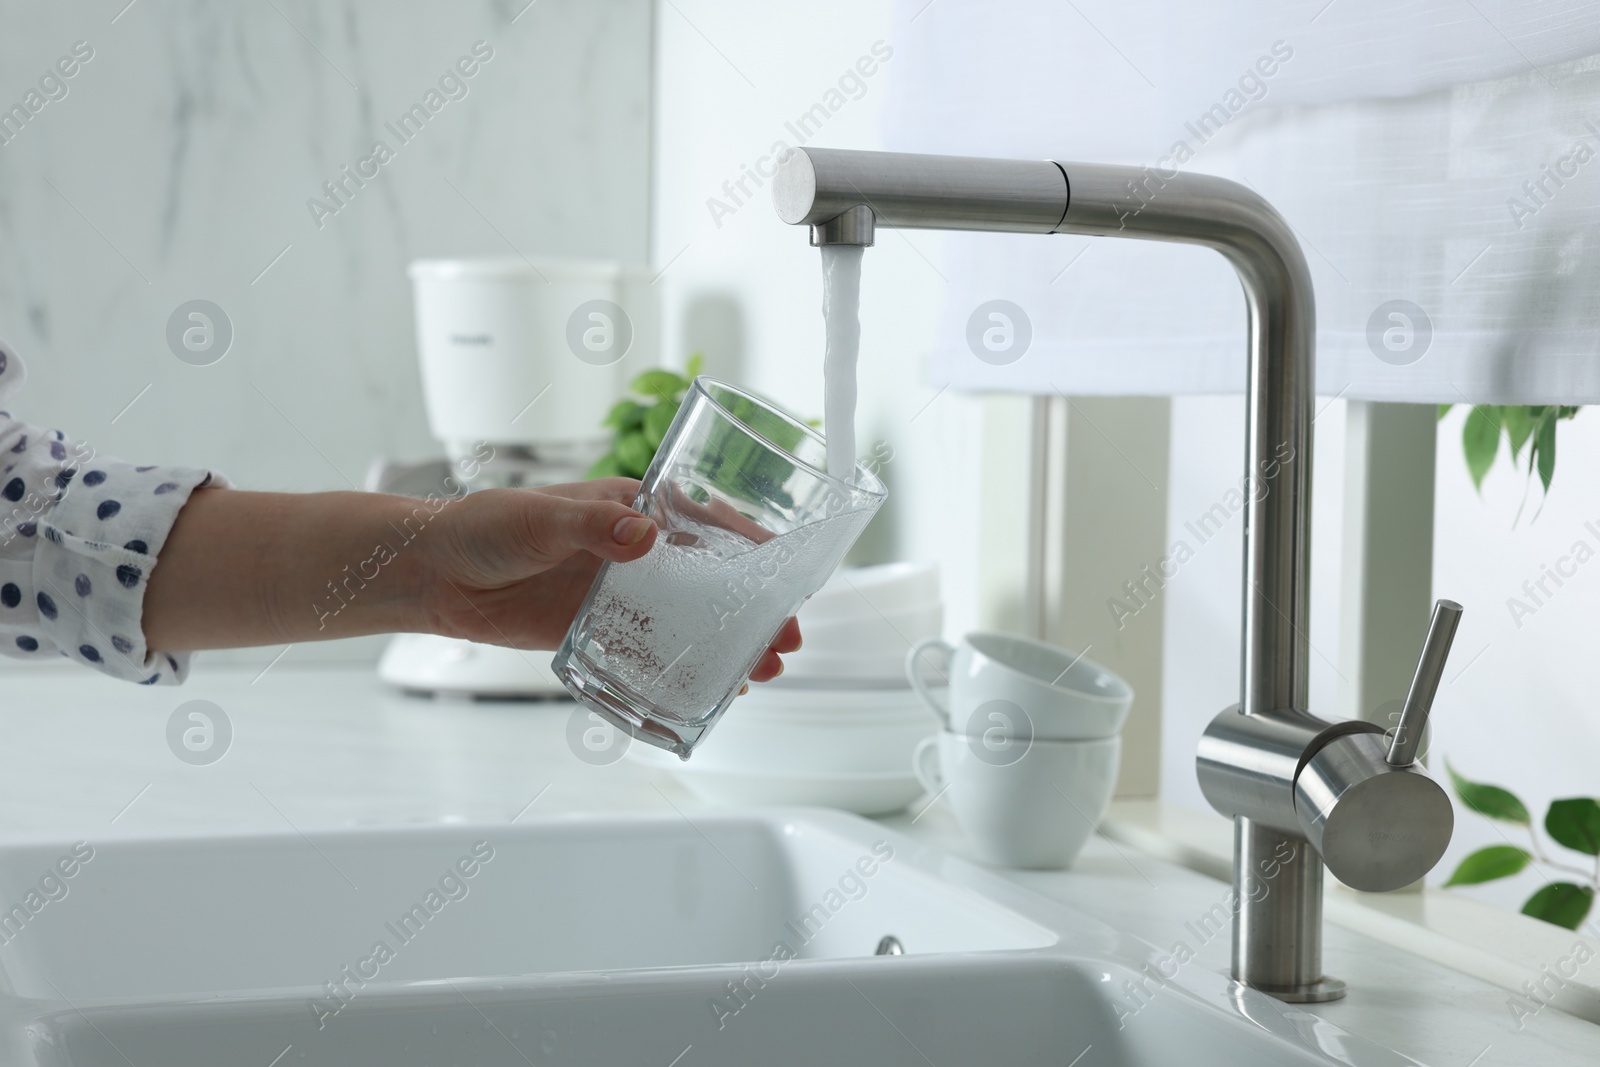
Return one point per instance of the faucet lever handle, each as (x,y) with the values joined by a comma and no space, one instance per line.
(1424,684)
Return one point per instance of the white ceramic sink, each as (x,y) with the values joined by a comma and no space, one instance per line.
(650,940)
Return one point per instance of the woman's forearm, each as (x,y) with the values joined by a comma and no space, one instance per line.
(245,568)
(499,566)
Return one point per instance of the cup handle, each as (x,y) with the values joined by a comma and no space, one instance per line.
(914,674)
(929,772)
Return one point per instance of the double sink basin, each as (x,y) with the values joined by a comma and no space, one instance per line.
(661,941)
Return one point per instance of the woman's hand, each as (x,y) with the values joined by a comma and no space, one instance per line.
(511,566)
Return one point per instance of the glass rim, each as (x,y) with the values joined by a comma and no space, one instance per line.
(870,484)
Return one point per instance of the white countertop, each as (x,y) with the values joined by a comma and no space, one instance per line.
(85,757)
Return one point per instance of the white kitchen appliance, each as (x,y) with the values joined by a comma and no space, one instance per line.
(520,362)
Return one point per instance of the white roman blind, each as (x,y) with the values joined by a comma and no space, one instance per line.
(1439,160)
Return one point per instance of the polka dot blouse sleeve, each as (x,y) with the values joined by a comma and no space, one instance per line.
(79,536)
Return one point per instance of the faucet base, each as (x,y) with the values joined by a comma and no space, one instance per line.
(1277,928)
(1318,992)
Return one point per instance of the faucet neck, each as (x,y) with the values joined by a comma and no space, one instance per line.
(843,195)
(1281,313)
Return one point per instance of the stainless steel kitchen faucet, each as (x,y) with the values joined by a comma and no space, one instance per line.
(1295,785)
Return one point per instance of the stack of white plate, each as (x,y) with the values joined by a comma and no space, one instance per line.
(838,727)
(858,627)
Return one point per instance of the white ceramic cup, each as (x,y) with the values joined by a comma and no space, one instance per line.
(1032,805)
(1020,687)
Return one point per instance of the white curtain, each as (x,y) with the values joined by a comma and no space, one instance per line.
(1439,159)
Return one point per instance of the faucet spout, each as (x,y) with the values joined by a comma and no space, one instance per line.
(1277,935)
(813,186)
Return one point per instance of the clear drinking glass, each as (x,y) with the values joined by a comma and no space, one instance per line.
(750,524)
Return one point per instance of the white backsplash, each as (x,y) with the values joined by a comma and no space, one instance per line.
(179,164)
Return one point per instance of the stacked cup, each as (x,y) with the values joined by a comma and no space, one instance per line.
(1028,757)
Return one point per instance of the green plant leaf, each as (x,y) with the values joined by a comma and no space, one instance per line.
(1575,822)
(604,467)
(659,382)
(634,452)
(1561,903)
(1544,446)
(1487,864)
(1480,440)
(624,415)
(1519,425)
(658,419)
(1444,409)
(697,361)
(1489,800)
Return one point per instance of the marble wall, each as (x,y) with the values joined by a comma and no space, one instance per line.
(186,156)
